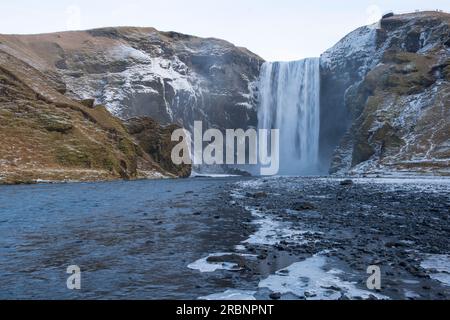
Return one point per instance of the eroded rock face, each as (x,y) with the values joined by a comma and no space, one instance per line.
(141,72)
(394,94)
(171,77)
(155,139)
(46,136)
(342,68)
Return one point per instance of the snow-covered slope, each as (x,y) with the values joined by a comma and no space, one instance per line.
(388,88)
(171,77)
(357,48)
(342,68)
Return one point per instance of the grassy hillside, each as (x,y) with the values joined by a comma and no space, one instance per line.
(46,136)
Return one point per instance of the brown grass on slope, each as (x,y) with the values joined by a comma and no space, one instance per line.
(47,136)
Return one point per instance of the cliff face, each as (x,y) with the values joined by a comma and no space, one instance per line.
(52,127)
(156,141)
(342,68)
(46,136)
(393,93)
(171,77)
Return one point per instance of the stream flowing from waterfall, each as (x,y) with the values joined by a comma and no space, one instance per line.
(290,102)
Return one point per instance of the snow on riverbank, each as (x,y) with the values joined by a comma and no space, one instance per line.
(309,279)
(331,273)
(209,265)
(231,294)
(438,266)
(271,231)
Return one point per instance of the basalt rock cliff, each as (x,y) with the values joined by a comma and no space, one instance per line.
(386,96)
(135,72)
(53,87)
(46,136)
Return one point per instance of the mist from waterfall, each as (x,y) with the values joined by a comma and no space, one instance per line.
(290,101)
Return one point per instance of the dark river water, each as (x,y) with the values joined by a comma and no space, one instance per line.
(131,240)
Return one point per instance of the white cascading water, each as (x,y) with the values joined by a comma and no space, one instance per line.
(290,101)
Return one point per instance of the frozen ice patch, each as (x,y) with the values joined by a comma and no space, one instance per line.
(217,261)
(212,175)
(271,231)
(438,266)
(413,184)
(411,294)
(309,279)
(251,184)
(231,295)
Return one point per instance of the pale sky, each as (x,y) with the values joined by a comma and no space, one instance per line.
(274,29)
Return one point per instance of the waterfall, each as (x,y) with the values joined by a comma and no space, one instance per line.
(290,101)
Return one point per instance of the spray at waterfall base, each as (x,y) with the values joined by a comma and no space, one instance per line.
(288,110)
(237,147)
(289,99)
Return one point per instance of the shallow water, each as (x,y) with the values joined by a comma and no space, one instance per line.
(130,239)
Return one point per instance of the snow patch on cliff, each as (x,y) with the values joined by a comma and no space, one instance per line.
(360,44)
(143,75)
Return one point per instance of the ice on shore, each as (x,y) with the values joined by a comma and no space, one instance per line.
(239,295)
(271,231)
(438,266)
(309,279)
(203,265)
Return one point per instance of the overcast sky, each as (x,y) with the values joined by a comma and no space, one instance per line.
(274,29)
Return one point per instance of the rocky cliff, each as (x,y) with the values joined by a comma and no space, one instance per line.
(388,87)
(53,86)
(171,77)
(46,136)
(156,141)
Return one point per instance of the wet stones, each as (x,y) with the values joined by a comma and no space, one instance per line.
(232,258)
(275,296)
(257,195)
(303,206)
(346,183)
(333,288)
(310,295)
(262,257)
(394,244)
(363,223)
(260,195)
